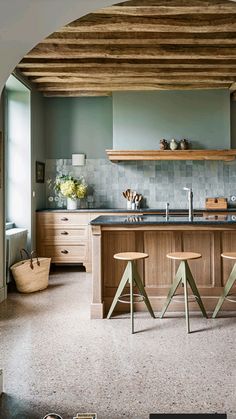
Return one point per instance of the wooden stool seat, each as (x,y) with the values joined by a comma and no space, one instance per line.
(129,256)
(184,255)
(229,284)
(131,277)
(229,255)
(184,276)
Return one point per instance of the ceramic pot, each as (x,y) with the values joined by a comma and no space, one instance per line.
(163,144)
(173,144)
(184,144)
(71,204)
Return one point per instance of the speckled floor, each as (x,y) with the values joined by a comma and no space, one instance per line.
(56,359)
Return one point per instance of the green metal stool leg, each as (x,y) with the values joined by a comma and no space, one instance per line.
(131,298)
(122,284)
(173,288)
(227,288)
(186,297)
(194,289)
(141,289)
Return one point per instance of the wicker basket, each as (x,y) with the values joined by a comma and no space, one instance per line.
(31,274)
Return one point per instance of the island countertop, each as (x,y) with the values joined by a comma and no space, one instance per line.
(209,219)
(208,234)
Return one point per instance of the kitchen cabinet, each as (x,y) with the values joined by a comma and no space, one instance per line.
(65,236)
(157,237)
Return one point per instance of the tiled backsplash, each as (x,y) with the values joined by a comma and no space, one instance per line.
(158,182)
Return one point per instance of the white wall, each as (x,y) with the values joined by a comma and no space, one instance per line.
(23,24)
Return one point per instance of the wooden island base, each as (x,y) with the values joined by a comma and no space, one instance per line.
(157,272)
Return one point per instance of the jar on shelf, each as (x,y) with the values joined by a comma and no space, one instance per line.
(184,144)
(173,144)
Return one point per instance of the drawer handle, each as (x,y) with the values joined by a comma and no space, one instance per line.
(64,252)
(64,219)
(64,233)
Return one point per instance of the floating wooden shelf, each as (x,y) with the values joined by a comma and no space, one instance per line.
(125,155)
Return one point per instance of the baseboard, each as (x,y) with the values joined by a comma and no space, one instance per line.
(3,294)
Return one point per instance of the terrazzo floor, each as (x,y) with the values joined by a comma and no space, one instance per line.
(56,359)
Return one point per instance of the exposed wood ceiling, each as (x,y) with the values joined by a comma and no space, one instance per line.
(139,45)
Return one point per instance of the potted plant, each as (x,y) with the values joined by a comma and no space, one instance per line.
(71,188)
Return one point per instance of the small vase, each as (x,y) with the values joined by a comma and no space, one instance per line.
(71,204)
(173,144)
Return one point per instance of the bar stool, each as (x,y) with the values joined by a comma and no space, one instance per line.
(131,276)
(230,282)
(185,276)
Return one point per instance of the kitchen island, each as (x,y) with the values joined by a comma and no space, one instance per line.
(157,235)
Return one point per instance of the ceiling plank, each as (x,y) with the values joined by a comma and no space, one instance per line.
(130,39)
(167,52)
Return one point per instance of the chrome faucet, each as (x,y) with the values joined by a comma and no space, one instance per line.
(190,203)
(167,210)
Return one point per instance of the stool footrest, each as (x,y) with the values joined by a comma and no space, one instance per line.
(139,298)
(231,298)
(191,298)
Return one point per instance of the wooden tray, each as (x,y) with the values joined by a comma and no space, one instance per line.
(216,203)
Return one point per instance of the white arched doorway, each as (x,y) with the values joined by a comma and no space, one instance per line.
(23,24)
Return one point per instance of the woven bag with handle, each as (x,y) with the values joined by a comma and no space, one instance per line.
(31,274)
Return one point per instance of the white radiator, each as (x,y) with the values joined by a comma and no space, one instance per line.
(16,239)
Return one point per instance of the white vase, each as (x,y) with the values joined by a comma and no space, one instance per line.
(71,204)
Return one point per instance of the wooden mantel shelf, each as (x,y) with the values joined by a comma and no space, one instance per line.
(125,155)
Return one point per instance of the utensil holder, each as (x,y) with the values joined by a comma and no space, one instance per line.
(129,204)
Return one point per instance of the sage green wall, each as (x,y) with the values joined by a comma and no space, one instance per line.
(78,125)
(141,119)
(233,124)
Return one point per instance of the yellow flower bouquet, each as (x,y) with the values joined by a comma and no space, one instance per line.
(70,187)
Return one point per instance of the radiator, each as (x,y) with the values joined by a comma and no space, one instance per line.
(16,239)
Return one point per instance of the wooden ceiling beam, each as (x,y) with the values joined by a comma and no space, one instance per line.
(133,79)
(185,24)
(134,87)
(125,72)
(167,37)
(159,10)
(167,52)
(144,41)
(125,63)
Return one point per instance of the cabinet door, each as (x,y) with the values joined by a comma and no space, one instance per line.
(202,269)
(228,245)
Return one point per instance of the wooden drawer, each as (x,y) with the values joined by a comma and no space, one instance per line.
(64,235)
(67,253)
(63,219)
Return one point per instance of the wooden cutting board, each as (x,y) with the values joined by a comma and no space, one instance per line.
(216,203)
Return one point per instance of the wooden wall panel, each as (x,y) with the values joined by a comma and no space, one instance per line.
(200,242)
(115,242)
(228,245)
(158,269)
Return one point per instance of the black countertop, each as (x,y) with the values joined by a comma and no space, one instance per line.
(161,220)
(140,210)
